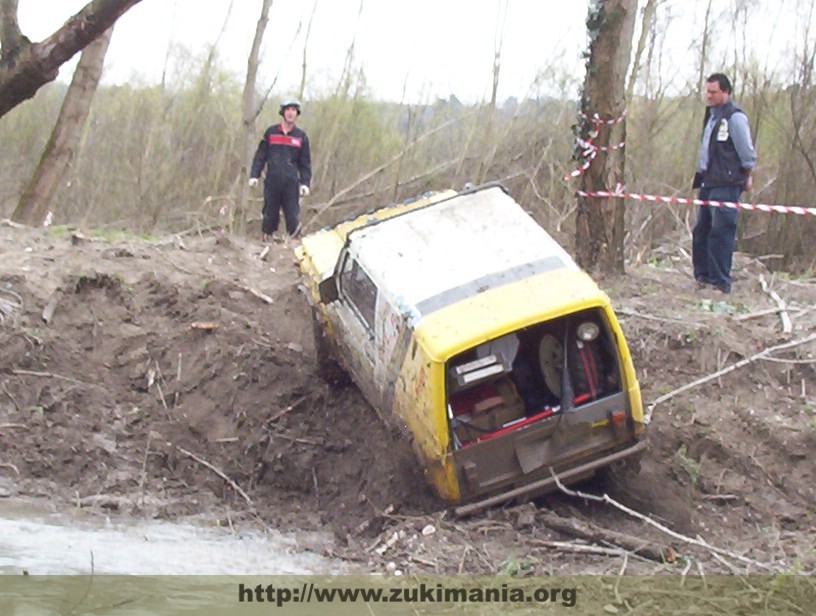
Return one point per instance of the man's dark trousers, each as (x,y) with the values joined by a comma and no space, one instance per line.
(281,194)
(714,236)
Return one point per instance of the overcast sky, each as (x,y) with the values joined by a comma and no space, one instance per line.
(436,47)
(432,48)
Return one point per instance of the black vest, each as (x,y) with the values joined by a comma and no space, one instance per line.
(724,164)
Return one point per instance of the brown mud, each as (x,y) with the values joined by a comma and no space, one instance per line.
(172,378)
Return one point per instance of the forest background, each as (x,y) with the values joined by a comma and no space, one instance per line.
(171,156)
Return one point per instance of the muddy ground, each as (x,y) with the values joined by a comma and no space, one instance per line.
(176,377)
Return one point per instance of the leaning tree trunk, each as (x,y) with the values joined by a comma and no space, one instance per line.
(600,221)
(249,115)
(65,138)
(26,66)
(10,36)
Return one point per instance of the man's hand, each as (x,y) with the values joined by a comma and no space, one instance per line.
(253,182)
(304,190)
(749,183)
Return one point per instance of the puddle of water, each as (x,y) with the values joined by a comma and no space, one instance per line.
(61,544)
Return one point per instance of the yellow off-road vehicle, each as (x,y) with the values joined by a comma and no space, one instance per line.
(460,316)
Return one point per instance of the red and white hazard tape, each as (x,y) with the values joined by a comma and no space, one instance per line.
(589,157)
(596,119)
(590,150)
(618,193)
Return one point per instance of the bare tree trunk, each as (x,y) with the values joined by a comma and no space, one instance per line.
(250,115)
(33,65)
(10,35)
(600,228)
(704,46)
(645,25)
(487,161)
(65,138)
(302,88)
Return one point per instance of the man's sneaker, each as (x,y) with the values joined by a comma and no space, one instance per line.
(724,288)
(701,284)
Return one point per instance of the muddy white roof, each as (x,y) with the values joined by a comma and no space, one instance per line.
(434,256)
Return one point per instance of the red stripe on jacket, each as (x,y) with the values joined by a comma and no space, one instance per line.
(294,142)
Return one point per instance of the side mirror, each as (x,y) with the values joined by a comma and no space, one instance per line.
(328,290)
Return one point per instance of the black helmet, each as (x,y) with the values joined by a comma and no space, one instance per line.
(289,102)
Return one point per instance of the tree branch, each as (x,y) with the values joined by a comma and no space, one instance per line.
(38,63)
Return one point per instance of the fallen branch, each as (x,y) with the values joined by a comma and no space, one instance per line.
(596,535)
(14,225)
(218,472)
(698,542)
(731,368)
(258,294)
(787,326)
(13,426)
(758,313)
(579,548)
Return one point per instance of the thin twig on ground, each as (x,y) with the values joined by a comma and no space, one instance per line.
(14,225)
(12,398)
(787,326)
(286,410)
(753,315)
(51,375)
(650,317)
(218,472)
(261,296)
(11,466)
(579,548)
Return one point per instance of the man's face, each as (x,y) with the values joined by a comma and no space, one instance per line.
(714,94)
(290,114)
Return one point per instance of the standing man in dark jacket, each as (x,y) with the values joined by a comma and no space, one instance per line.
(727,157)
(285,151)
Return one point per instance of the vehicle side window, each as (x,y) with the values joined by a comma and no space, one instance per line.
(359,290)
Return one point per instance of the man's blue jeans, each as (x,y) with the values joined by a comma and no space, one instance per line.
(714,237)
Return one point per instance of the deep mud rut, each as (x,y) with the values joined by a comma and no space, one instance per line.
(177,378)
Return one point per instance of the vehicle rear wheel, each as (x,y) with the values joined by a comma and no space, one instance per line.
(328,368)
(622,471)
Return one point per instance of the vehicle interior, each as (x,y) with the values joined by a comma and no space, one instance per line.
(525,376)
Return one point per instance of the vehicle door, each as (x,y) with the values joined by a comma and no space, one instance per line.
(356,312)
